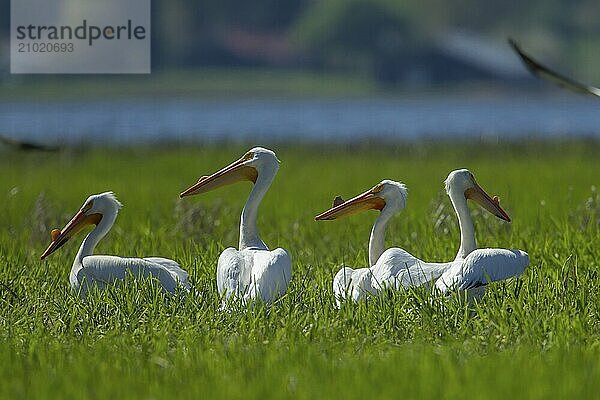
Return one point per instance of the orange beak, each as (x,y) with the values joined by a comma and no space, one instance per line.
(478,195)
(362,202)
(77,223)
(234,172)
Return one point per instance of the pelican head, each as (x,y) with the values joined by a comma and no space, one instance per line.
(91,213)
(462,182)
(253,163)
(386,194)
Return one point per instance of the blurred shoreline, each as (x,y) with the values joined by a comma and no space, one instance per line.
(246,83)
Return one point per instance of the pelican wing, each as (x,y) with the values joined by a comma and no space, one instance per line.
(419,274)
(101,271)
(398,268)
(174,269)
(231,280)
(356,284)
(481,267)
(546,73)
(342,284)
(271,274)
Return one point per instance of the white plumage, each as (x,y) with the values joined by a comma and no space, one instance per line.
(396,268)
(481,267)
(253,272)
(355,284)
(89,271)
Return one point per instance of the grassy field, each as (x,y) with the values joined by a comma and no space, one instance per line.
(196,82)
(228,82)
(537,337)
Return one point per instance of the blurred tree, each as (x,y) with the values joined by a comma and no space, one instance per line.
(259,15)
(191,33)
(352,34)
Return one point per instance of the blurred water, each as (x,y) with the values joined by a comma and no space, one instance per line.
(299,119)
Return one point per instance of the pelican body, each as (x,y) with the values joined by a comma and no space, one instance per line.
(252,272)
(94,271)
(472,268)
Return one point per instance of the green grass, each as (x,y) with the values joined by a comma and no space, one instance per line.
(537,337)
(212,83)
(194,83)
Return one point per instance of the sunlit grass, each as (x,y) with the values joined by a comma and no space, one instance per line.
(536,337)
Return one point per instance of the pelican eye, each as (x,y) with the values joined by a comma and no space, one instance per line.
(377,188)
(86,207)
(248,156)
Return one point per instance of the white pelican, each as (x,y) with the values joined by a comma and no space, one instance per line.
(91,271)
(252,272)
(397,268)
(389,197)
(474,268)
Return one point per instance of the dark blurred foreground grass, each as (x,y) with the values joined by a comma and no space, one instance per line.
(536,337)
